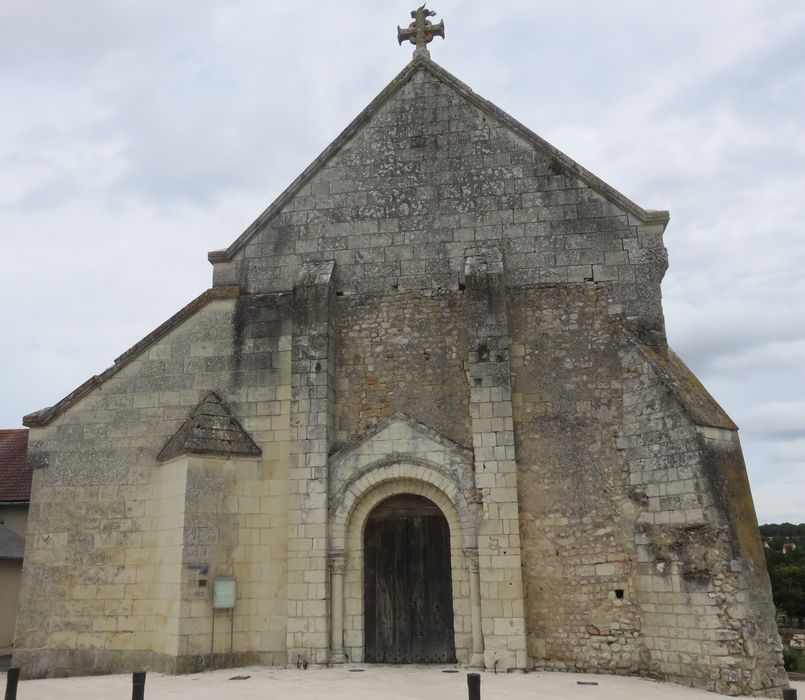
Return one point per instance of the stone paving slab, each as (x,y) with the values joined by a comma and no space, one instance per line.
(371,683)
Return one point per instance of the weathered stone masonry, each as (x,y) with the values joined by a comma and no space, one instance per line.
(443,305)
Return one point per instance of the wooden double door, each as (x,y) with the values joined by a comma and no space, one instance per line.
(408,598)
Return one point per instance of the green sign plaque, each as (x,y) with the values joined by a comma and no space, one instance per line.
(223,593)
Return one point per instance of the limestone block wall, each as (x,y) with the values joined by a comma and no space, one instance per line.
(311,416)
(410,351)
(499,542)
(260,560)
(701,582)
(576,516)
(432,170)
(234,525)
(402,353)
(159,566)
(104,565)
(91,586)
(753,635)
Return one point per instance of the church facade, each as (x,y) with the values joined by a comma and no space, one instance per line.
(425,413)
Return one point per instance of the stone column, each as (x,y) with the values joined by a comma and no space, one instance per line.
(477,657)
(312,399)
(338,561)
(500,574)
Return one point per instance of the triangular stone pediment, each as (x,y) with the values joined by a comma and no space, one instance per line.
(210,429)
(401,437)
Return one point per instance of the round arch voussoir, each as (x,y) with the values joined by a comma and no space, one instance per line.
(385,481)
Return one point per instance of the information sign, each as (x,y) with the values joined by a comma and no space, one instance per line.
(223,593)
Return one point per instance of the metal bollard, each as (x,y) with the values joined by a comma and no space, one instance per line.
(474,686)
(12,679)
(138,685)
(789,694)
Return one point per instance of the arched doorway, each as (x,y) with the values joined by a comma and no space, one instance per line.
(408,601)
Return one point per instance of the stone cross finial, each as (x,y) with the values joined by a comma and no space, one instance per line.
(421,31)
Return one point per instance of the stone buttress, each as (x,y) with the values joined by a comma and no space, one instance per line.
(312,389)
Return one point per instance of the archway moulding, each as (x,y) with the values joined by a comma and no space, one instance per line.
(349,522)
(386,478)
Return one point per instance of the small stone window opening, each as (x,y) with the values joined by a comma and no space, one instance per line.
(619,593)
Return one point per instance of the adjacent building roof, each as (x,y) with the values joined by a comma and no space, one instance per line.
(15,472)
(211,429)
(11,544)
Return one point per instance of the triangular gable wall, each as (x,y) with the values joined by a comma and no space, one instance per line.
(417,64)
(429,170)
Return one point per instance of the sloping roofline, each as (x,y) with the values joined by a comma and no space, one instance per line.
(421,62)
(691,395)
(45,415)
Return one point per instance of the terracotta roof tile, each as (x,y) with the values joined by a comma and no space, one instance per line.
(15,472)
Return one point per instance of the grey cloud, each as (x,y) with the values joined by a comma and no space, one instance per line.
(68,40)
(721,335)
(778,421)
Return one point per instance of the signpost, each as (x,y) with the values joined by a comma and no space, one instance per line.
(223,598)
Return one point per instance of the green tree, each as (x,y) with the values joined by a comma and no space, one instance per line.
(786,570)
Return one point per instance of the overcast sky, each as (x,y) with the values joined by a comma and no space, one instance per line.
(136,136)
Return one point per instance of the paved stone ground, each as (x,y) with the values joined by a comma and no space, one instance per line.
(372,683)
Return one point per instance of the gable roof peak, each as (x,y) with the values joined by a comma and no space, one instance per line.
(422,62)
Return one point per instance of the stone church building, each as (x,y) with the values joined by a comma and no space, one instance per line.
(425,413)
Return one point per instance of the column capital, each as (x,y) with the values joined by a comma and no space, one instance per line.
(338,562)
(471,554)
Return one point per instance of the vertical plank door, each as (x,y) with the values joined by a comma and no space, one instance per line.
(408,600)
